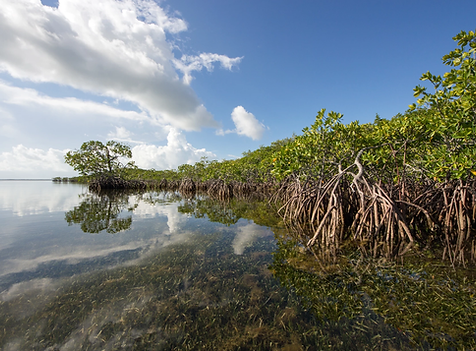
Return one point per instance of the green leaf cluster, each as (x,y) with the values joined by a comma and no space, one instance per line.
(452,126)
(435,138)
(255,166)
(95,159)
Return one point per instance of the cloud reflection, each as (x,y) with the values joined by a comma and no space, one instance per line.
(38,245)
(161,208)
(38,256)
(43,285)
(37,197)
(246,235)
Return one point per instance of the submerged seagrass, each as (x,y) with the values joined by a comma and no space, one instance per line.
(215,277)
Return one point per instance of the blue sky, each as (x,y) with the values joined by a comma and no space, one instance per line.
(181,79)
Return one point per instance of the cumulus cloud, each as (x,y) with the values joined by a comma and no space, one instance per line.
(14,96)
(120,134)
(38,163)
(113,48)
(123,135)
(177,151)
(35,162)
(33,119)
(246,124)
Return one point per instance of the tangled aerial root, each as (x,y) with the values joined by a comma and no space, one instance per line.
(389,218)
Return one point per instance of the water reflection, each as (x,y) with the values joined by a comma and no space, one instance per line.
(43,246)
(246,235)
(192,273)
(183,298)
(161,204)
(98,212)
(24,198)
(430,302)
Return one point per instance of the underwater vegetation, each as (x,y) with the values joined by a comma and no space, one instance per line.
(430,303)
(276,293)
(187,297)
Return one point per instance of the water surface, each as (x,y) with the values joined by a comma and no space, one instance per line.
(158,271)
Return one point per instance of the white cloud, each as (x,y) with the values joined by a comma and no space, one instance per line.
(187,64)
(123,135)
(33,119)
(35,162)
(223,132)
(14,96)
(246,124)
(177,151)
(38,163)
(112,48)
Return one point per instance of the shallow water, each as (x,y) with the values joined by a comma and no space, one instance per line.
(157,271)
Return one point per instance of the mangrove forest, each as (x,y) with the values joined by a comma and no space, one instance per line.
(362,214)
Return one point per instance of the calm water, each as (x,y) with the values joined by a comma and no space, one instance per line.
(157,271)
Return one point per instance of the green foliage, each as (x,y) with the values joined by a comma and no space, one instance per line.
(326,144)
(455,93)
(96,159)
(436,140)
(452,126)
(254,166)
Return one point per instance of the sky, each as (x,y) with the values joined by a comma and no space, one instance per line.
(178,80)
